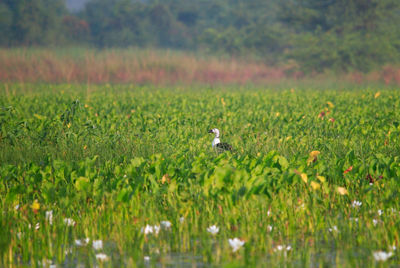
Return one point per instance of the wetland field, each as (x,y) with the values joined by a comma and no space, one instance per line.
(125,175)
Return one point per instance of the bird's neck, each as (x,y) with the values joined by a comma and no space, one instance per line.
(215,141)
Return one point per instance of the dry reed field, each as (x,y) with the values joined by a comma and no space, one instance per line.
(158,67)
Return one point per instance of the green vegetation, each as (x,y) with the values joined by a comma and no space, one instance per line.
(313,179)
(313,35)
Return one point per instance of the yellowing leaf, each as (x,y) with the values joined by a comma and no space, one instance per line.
(304,177)
(40,117)
(342,190)
(377,94)
(314,153)
(223,102)
(165,179)
(330,104)
(313,157)
(315,185)
(35,206)
(321,179)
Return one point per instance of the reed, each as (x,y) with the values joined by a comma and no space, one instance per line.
(159,67)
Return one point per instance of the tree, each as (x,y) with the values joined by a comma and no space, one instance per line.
(32,22)
(6,20)
(342,34)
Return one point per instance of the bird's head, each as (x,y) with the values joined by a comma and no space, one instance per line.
(215,131)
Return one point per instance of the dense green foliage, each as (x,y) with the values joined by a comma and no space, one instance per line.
(115,158)
(318,35)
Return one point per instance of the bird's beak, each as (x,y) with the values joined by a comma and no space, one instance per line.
(210,131)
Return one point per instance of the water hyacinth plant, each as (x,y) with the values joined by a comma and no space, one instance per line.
(356,204)
(83,242)
(382,256)
(235,244)
(101,257)
(148,229)
(213,229)
(166,224)
(125,176)
(69,222)
(97,244)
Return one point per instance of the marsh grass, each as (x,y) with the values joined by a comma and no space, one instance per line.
(117,158)
(165,68)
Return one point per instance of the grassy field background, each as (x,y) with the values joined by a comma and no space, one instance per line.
(123,174)
(166,67)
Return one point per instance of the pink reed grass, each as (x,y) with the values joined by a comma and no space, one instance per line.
(151,67)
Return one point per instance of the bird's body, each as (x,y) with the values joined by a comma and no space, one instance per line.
(224,146)
(217,144)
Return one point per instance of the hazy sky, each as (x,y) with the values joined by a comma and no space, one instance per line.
(75,4)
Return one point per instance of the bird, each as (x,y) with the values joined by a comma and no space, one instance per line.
(217,144)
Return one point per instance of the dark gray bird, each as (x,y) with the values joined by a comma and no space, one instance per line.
(217,144)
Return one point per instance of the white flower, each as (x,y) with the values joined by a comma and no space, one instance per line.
(375,222)
(49,217)
(69,222)
(156,228)
(16,207)
(354,219)
(380,212)
(269,213)
(269,228)
(393,248)
(46,262)
(83,242)
(181,219)
(37,226)
(148,229)
(356,204)
(166,224)
(146,258)
(68,251)
(101,257)
(382,256)
(334,228)
(283,247)
(97,244)
(235,244)
(213,229)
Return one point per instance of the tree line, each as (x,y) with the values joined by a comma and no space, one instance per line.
(316,35)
